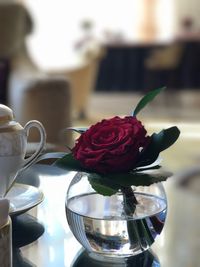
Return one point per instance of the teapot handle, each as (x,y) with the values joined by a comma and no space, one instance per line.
(32,159)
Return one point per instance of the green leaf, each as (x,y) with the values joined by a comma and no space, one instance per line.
(168,137)
(109,184)
(146,99)
(50,156)
(133,234)
(79,130)
(69,163)
(144,178)
(102,186)
(144,232)
(159,142)
(148,168)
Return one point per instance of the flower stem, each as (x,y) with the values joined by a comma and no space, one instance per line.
(130,200)
(139,233)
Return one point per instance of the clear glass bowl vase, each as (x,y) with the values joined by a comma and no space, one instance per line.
(104,228)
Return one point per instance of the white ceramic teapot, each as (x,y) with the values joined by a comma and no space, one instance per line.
(13,144)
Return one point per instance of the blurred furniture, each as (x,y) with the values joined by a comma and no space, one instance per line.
(123,67)
(82,83)
(126,66)
(82,77)
(30,93)
(163,66)
(176,66)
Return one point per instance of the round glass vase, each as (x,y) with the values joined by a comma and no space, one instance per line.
(103,225)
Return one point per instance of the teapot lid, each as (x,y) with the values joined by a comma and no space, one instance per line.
(6,114)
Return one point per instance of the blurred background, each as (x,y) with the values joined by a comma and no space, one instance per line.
(72,63)
(69,63)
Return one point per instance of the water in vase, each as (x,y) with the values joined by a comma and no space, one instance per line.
(101,226)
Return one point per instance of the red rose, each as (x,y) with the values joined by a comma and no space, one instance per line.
(111,145)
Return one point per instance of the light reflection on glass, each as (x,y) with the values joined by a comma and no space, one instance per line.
(52,215)
(70,250)
(51,253)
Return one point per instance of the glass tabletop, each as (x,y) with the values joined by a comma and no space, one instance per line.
(178,245)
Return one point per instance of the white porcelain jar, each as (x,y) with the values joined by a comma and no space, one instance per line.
(13,145)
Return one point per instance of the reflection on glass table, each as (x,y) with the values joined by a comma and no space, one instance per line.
(146,259)
(177,246)
(23,197)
